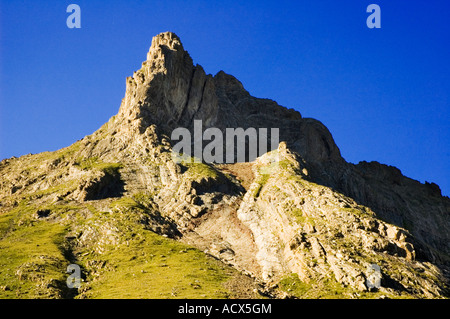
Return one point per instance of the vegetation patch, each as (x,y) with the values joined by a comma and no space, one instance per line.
(94,163)
(146,265)
(200,171)
(32,262)
(326,288)
(261,181)
(152,266)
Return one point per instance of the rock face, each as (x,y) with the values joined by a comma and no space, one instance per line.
(171,92)
(298,221)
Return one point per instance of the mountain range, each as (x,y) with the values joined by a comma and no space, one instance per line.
(296,222)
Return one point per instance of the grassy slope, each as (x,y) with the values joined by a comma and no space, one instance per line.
(32,263)
(142,264)
(156,267)
(35,251)
(146,265)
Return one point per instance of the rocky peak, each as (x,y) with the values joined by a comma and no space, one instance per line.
(159,88)
(167,39)
(171,92)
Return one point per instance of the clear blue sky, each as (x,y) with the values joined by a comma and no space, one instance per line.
(383,93)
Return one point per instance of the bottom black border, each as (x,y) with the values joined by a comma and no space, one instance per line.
(230,308)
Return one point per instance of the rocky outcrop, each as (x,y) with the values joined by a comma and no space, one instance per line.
(310,230)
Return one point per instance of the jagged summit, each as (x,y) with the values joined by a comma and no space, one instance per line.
(171,92)
(167,39)
(299,221)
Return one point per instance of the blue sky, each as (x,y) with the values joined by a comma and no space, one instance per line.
(383,93)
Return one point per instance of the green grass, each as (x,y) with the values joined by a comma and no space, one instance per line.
(298,214)
(360,211)
(285,164)
(144,200)
(33,252)
(200,170)
(6,221)
(152,266)
(32,263)
(124,203)
(142,264)
(68,152)
(196,169)
(326,288)
(63,188)
(258,190)
(94,163)
(294,286)
(65,153)
(261,180)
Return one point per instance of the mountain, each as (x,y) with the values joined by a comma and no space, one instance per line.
(296,222)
